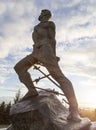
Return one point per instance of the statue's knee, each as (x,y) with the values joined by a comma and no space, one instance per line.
(17,69)
(67,81)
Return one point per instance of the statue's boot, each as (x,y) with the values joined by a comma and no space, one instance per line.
(25,78)
(21,69)
(30,94)
(73,108)
(74,115)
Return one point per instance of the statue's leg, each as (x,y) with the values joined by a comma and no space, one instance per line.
(67,88)
(21,69)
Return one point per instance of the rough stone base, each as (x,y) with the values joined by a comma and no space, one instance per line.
(44,112)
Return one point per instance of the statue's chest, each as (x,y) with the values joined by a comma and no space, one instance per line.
(41,30)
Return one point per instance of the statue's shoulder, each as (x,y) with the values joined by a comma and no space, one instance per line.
(52,24)
(35,26)
(48,24)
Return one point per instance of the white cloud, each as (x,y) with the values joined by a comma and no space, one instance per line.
(75,28)
(78,57)
(2,8)
(79,22)
(90,83)
(16,24)
(2,79)
(17,30)
(55,4)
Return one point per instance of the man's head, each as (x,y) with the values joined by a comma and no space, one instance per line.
(45,14)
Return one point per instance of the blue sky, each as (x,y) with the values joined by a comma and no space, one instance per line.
(76,43)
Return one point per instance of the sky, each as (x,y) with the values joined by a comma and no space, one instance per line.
(75,44)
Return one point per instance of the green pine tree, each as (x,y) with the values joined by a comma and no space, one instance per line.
(17,97)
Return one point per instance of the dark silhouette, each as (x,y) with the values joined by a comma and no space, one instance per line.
(44,51)
(4,113)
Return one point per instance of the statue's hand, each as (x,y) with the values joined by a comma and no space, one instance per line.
(58,58)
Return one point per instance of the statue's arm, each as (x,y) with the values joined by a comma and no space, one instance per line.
(51,34)
(34,35)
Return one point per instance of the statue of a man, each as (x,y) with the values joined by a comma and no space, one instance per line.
(44,51)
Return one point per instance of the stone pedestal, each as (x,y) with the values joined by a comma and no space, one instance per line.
(44,112)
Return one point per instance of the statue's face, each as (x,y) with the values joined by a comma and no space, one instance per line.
(43,15)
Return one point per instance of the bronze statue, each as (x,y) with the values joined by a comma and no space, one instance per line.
(44,51)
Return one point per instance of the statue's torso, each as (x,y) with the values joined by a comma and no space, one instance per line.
(42,32)
(43,50)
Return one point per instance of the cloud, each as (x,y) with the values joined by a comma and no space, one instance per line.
(19,17)
(76,22)
(2,79)
(78,57)
(2,8)
(16,26)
